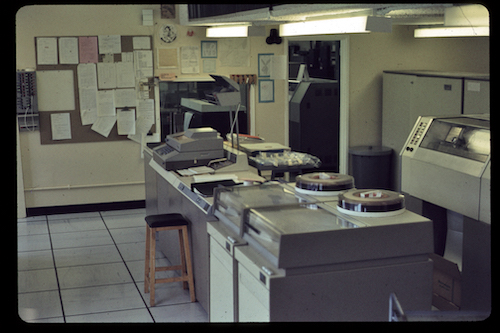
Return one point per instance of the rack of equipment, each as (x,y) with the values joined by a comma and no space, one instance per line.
(27,100)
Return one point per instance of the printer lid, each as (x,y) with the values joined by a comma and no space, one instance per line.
(226,82)
(467,137)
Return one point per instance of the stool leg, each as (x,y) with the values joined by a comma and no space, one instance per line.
(152,265)
(146,262)
(189,263)
(183,259)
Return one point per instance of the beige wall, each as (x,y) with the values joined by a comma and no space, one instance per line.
(109,171)
(98,165)
(371,54)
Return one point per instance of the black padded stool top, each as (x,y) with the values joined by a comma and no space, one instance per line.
(166,220)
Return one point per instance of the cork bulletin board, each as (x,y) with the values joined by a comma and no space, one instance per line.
(95,88)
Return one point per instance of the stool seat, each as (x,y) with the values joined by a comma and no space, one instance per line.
(166,220)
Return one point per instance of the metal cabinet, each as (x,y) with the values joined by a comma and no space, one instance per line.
(410,94)
(221,284)
(253,297)
(476,96)
(223,292)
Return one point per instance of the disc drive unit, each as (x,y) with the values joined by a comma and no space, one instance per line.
(298,258)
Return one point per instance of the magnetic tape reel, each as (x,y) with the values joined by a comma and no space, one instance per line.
(371,203)
(323,183)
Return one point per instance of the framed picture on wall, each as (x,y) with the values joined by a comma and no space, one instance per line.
(208,49)
(265,64)
(266,91)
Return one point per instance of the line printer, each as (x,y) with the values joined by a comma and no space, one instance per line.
(193,147)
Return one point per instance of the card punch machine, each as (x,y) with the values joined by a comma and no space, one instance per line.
(198,147)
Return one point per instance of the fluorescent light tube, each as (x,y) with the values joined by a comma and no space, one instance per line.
(228,31)
(359,24)
(452,32)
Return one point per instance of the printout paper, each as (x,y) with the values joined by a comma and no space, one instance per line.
(145,115)
(125,97)
(105,103)
(143,125)
(46,51)
(87,88)
(104,125)
(146,108)
(189,59)
(88,49)
(106,75)
(110,44)
(68,50)
(143,61)
(141,43)
(126,121)
(128,57)
(61,126)
(125,76)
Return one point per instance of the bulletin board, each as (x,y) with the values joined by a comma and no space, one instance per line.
(95,88)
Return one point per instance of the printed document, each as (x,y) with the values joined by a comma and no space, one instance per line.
(68,50)
(125,76)
(126,121)
(61,126)
(104,125)
(110,44)
(46,51)
(87,88)
(105,103)
(106,75)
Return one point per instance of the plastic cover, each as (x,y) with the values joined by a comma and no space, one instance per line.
(464,137)
(266,225)
(233,201)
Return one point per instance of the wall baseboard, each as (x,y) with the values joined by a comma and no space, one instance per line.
(36,211)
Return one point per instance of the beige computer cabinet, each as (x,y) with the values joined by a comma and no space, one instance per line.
(409,94)
(476,96)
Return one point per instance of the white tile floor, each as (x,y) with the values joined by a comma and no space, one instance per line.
(89,267)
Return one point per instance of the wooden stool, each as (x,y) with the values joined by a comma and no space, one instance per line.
(167,222)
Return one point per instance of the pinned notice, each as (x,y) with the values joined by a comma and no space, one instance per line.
(167,76)
(61,126)
(88,49)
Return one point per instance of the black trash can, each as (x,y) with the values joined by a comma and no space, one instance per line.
(371,166)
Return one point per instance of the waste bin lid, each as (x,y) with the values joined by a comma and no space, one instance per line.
(370,150)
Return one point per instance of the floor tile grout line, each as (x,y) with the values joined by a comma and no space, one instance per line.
(52,251)
(55,270)
(108,311)
(121,256)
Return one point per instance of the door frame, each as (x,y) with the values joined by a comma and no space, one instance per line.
(344,94)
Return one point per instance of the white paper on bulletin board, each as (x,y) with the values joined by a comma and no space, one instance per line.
(60,124)
(56,90)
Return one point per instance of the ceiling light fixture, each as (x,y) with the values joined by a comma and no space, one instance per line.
(359,24)
(460,21)
(228,31)
(452,32)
